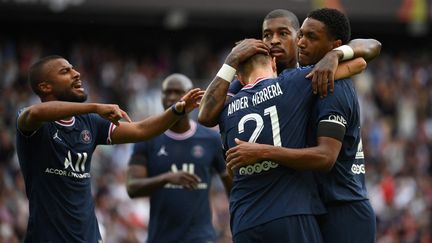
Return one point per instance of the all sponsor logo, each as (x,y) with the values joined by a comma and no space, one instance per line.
(72,168)
(189,168)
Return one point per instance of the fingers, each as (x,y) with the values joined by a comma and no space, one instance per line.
(191,100)
(233,160)
(249,47)
(230,173)
(115,117)
(261,47)
(116,122)
(322,84)
(314,82)
(190,94)
(180,105)
(191,181)
(230,153)
(236,163)
(331,82)
(198,95)
(125,116)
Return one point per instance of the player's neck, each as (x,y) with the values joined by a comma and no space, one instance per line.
(181,125)
(259,74)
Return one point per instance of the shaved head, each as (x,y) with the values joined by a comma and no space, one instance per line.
(186,83)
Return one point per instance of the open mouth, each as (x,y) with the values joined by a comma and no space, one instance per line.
(78,86)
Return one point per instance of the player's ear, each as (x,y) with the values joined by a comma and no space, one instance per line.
(45,87)
(241,78)
(337,43)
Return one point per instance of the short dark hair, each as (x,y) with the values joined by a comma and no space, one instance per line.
(282,13)
(252,62)
(36,73)
(337,23)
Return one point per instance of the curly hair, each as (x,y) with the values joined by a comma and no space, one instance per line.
(336,22)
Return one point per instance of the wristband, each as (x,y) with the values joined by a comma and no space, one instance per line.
(178,113)
(226,73)
(348,52)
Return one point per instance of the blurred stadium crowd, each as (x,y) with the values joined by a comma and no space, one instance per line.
(395,93)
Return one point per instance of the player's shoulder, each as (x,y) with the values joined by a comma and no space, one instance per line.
(344,83)
(206,131)
(295,72)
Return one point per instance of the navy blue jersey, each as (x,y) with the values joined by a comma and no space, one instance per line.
(275,112)
(234,88)
(352,222)
(55,162)
(346,181)
(178,214)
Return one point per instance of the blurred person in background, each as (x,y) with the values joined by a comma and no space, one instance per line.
(55,142)
(175,170)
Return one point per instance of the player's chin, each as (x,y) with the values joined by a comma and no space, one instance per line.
(81,97)
(304,60)
(278,55)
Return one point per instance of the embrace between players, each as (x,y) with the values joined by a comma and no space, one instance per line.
(294,158)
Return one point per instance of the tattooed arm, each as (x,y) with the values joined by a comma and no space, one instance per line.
(215,95)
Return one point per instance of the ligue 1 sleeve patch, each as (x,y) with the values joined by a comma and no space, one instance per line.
(86,137)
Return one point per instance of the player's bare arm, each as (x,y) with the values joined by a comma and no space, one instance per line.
(227,181)
(319,158)
(157,124)
(343,70)
(323,72)
(33,117)
(140,185)
(215,95)
(213,102)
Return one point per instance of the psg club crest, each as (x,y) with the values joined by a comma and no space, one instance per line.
(86,136)
(197,151)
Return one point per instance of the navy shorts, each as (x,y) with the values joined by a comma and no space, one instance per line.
(290,229)
(352,222)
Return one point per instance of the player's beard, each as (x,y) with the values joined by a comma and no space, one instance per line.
(70,96)
(280,67)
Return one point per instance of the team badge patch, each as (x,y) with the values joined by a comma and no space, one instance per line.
(86,136)
(197,151)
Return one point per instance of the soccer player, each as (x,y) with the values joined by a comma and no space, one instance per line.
(337,147)
(279,33)
(268,202)
(55,142)
(175,170)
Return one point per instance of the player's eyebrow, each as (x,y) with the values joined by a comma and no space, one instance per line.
(65,68)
